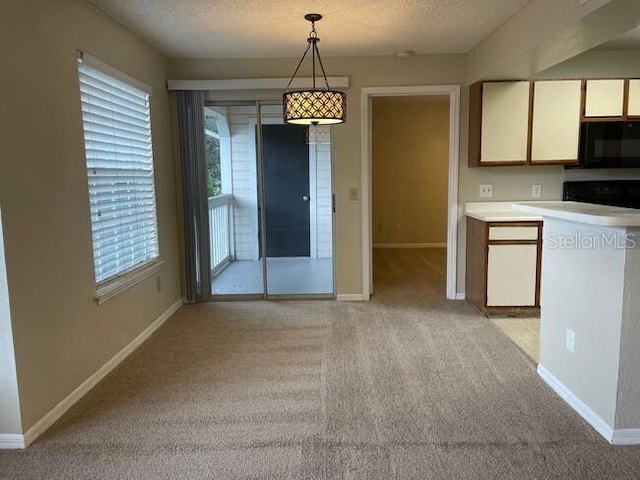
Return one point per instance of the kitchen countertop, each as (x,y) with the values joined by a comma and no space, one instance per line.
(588,213)
(498,212)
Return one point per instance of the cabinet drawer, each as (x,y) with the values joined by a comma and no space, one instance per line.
(513,233)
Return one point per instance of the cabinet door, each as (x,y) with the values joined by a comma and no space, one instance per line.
(556,121)
(505,122)
(511,275)
(604,98)
(634,98)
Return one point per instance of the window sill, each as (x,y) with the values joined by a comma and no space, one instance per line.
(109,289)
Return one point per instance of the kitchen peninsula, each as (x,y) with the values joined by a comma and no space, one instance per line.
(590,312)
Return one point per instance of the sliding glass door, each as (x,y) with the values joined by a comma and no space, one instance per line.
(270,203)
(234,200)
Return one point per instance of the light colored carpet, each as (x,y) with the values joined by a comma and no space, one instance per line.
(524,332)
(409,386)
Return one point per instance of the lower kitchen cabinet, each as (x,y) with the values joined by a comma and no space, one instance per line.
(503,267)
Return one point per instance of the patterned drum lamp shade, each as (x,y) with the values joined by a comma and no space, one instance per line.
(321,107)
(315,106)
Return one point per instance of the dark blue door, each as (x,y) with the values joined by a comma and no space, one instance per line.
(286,189)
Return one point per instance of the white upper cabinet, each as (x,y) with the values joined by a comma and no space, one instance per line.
(556,121)
(538,122)
(505,122)
(604,98)
(634,98)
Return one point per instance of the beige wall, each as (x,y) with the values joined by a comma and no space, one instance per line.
(410,169)
(61,336)
(509,183)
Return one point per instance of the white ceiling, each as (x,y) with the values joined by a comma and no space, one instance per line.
(276,28)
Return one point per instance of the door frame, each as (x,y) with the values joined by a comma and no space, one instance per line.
(368,93)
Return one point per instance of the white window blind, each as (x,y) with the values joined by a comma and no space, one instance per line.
(117,138)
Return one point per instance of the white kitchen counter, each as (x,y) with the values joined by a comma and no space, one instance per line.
(498,212)
(587,213)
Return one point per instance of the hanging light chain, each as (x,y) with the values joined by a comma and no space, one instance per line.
(312,42)
(313,33)
(298,67)
(324,75)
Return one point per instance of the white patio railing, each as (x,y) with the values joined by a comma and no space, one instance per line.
(220,231)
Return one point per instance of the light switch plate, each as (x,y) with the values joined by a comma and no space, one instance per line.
(536,190)
(571,338)
(353,194)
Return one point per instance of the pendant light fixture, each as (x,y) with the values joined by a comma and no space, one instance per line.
(315,106)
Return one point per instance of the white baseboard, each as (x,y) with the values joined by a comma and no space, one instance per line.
(578,405)
(54,414)
(409,245)
(626,436)
(620,436)
(11,441)
(460,296)
(350,297)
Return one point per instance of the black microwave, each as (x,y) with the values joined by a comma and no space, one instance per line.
(609,145)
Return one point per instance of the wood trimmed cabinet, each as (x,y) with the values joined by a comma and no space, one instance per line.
(555,126)
(633,98)
(524,123)
(604,98)
(503,267)
(505,122)
(611,99)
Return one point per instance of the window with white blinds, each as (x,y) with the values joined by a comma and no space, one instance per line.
(117,139)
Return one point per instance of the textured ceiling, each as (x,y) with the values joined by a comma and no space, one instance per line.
(627,41)
(276,28)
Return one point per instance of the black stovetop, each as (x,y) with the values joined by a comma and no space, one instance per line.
(618,193)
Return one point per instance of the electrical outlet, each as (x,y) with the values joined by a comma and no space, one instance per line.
(353,194)
(536,190)
(486,191)
(571,338)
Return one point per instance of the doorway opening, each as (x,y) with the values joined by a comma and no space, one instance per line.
(409,170)
(411,212)
(271,219)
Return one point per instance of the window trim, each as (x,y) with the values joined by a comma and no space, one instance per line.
(93,62)
(112,286)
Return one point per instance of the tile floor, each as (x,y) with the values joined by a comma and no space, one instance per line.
(285,276)
(524,332)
